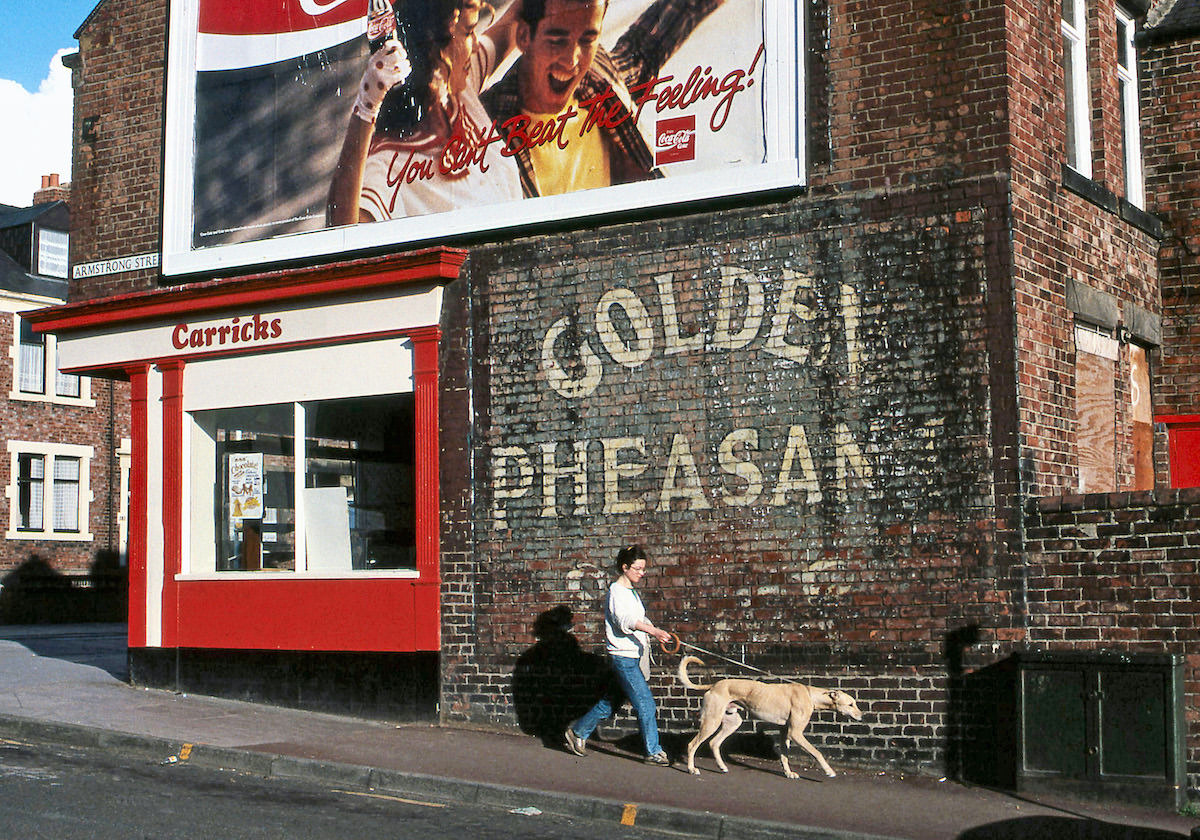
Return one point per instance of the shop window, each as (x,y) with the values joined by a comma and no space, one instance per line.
(1075,78)
(1131,135)
(37,374)
(323,486)
(49,493)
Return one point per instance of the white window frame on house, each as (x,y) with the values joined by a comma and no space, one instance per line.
(1075,80)
(1131,132)
(52,486)
(55,386)
(52,251)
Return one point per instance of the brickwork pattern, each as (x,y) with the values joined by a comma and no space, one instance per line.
(1171,120)
(887,543)
(117,153)
(1058,235)
(101,426)
(1119,571)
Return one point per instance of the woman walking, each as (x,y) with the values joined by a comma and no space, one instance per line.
(627,631)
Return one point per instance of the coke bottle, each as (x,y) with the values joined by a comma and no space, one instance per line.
(381,23)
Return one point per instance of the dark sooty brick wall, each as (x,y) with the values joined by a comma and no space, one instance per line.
(788,408)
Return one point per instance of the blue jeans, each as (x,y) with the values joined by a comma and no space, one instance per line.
(630,683)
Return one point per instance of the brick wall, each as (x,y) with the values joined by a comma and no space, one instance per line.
(816,494)
(1058,234)
(117,149)
(1118,571)
(1172,148)
(101,426)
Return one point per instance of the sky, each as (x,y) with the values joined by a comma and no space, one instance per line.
(35,92)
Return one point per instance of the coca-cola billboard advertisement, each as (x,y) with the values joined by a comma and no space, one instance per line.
(306,128)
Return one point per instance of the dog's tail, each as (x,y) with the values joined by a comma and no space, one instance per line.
(683,674)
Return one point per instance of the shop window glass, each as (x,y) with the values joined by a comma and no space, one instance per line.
(353,462)
(359,482)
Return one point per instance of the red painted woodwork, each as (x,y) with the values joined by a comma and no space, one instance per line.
(1183,448)
(172,502)
(344,614)
(136,547)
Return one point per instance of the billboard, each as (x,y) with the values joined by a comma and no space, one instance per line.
(304,128)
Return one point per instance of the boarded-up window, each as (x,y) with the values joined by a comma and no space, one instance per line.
(1095,409)
(1142,415)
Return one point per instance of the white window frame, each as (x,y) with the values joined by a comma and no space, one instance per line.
(1131,128)
(1079,141)
(294,377)
(50,374)
(52,253)
(49,452)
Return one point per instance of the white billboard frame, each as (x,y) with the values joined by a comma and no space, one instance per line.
(785,167)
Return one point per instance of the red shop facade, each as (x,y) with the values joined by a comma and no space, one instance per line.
(284,501)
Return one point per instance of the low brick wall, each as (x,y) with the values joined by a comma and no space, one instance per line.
(1120,571)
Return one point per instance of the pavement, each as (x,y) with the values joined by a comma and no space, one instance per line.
(66,684)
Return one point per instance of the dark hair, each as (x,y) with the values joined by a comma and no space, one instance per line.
(629,555)
(532,11)
(424,28)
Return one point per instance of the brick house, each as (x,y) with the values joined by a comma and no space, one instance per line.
(61,556)
(889,394)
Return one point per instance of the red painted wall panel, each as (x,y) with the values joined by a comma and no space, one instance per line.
(371,614)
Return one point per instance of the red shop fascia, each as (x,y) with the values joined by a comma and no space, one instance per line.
(284,478)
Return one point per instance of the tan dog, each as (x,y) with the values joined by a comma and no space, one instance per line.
(789,705)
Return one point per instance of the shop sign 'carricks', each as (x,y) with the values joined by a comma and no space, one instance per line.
(285,454)
(679,102)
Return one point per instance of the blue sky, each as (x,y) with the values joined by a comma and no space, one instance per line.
(33,31)
(35,92)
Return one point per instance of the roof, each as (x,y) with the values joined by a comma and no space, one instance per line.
(13,278)
(16,216)
(1172,20)
(88,19)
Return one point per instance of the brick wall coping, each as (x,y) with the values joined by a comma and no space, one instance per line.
(1115,501)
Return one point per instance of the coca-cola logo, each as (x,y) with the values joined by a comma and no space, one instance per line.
(267,17)
(675,140)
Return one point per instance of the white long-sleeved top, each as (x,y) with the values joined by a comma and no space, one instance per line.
(623,611)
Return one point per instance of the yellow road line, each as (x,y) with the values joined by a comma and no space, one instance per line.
(629,814)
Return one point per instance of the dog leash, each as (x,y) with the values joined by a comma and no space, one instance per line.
(680,643)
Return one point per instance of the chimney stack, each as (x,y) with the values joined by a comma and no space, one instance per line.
(52,190)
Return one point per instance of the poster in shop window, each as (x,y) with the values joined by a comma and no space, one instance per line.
(341,124)
(245,485)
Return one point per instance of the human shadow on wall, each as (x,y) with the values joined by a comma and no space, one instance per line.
(36,593)
(1064,828)
(555,681)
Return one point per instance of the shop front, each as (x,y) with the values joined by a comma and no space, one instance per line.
(284,481)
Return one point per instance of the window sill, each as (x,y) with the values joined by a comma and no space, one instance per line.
(390,574)
(47,536)
(1105,199)
(77,402)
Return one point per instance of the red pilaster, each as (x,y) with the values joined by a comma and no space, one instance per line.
(428,508)
(137,506)
(172,501)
